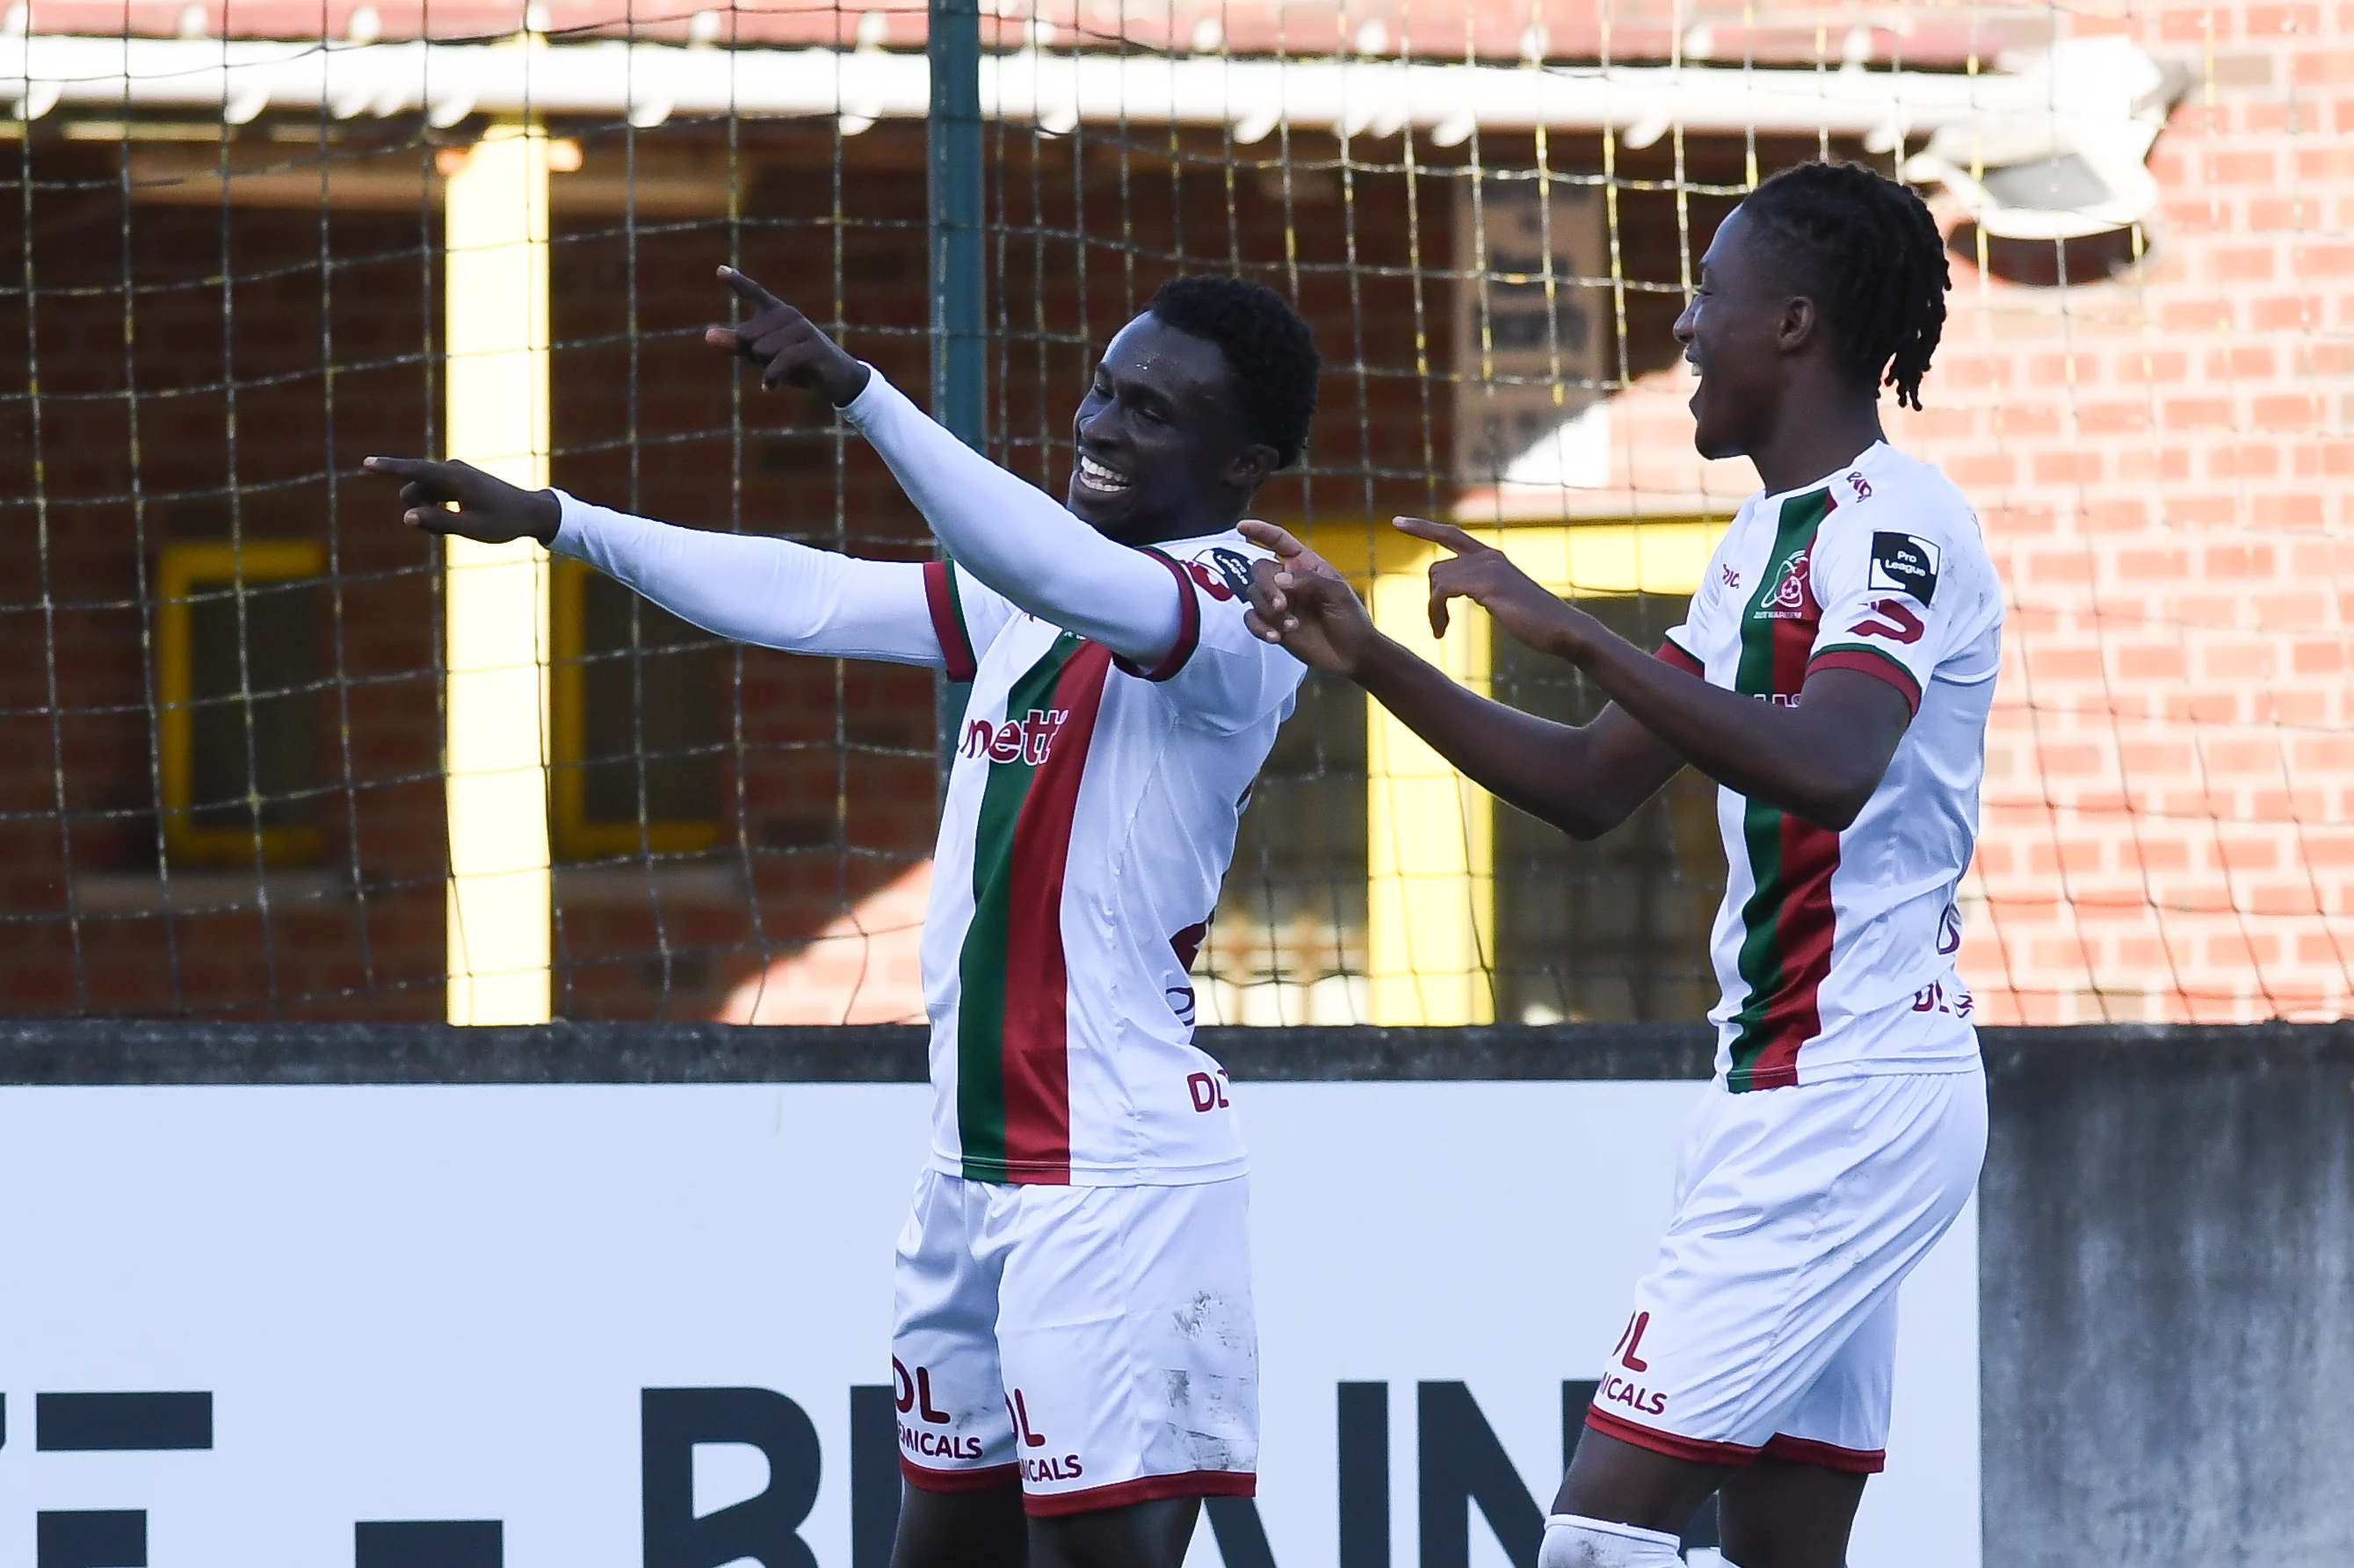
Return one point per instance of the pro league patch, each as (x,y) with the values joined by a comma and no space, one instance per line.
(1233,568)
(1905,563)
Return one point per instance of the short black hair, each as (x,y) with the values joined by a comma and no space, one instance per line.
(1872,258)
(1268,348)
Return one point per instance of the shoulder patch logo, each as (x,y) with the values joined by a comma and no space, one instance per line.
(1234,568)
(1904,563)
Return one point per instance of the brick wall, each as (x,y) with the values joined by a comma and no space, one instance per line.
(2157,452)
(2160,459)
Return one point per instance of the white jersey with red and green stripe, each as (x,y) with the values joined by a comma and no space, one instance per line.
(1835,950)
(1090,818)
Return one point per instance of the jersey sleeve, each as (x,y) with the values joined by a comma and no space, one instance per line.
(1684,645)
(967,614)
(1901,600)
(754,589)
(1219,675)
(1006,532)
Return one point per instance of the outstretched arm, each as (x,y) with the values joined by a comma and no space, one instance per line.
(771,592)
(1009,534)
(1819,760)
(1584,779)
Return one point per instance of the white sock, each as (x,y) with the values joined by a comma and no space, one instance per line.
(1571,1542)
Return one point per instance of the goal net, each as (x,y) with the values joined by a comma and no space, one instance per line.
(266,753)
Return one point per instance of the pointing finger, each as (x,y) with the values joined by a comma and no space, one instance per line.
(748,290)
(1269,536)
(400,468)
(1447,536)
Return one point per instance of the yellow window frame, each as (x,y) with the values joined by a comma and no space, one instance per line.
(179,569)
(576,838)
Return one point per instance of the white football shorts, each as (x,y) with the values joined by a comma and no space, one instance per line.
(1096,1343)
(1768,1324)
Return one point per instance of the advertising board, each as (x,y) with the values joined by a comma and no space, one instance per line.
(592,1325)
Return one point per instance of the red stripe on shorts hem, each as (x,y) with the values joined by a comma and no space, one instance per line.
(1830,1455)
(978,1481)
(1693,1448)
(1149,1488)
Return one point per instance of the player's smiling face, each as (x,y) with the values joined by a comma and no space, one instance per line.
(1162,450)
(1736,333)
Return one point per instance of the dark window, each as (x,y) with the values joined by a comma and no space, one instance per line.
(1616,929)
(238,661)
(638,724)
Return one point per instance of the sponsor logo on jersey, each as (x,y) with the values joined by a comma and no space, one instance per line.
(1861,485)
(1030,740)
(1208,1090)
(1731,578)
(1904,563)
(1936,998)
(1792,597)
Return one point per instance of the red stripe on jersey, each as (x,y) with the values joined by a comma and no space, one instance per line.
(1805,925)
(948,621)
(1189,627)
(1038,973)
(1669,653)
(1873,663)
(1803,933)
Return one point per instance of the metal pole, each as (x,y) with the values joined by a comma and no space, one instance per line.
(960,373)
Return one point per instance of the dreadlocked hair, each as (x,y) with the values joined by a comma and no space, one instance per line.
(1872,258)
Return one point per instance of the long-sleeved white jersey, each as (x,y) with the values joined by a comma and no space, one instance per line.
(1120,710)
(1824,936)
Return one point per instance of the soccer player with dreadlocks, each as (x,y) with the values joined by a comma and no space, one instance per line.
(1074,1351)
(1834,677)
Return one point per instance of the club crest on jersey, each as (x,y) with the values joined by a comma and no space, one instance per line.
(1904,563)
(1030,740)
(1792,596)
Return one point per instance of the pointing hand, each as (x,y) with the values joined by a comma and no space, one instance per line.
(489,509)
(1299,601)
(787,349)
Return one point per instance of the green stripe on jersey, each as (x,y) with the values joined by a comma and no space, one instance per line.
(981,967)
(956,604)
(1761,825)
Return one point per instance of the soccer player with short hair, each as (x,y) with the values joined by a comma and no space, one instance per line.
(1074,1340)
(1834,677)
